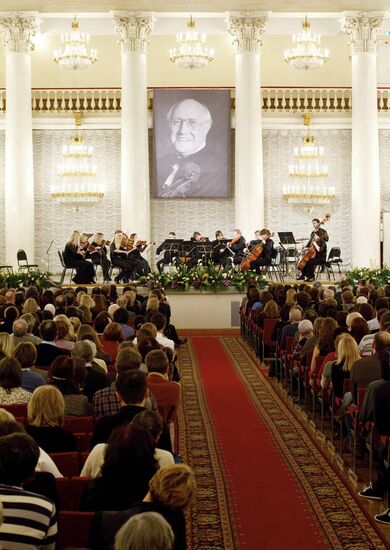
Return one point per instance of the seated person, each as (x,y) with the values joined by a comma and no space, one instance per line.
(11,391)
(266,245)
(149,529)
(166,392)
(45,416)
(171,491)
(18,459)
(47,350)
(129,464)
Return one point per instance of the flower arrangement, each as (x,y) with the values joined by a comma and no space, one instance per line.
(38,278)
(366,275)
(210,277)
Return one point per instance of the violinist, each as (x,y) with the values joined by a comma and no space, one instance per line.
(120,257)
(142,266)
(196,253)
(237,245)
(318,245)
(220,253)
(74,256)
(98,254)
(263,239)
(170,256)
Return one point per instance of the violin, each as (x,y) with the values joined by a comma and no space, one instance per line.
(97,247)
(311,252)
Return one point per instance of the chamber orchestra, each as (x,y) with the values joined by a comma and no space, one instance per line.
(84,252)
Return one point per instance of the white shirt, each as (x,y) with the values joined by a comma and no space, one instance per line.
(46,464)
(164,341)
(95,460)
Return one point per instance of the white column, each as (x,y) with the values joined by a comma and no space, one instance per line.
(247,34)
(18,32)
(133,29)
(365,205)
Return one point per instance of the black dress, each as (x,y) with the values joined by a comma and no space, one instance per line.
(126,263)
(98,256)
(85,272)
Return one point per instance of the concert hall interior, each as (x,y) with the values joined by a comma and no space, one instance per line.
(197,194)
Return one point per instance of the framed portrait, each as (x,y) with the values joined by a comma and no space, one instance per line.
(191,143)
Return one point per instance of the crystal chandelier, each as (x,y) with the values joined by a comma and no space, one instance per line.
(73,53)
(76,182)
(308,170)
(192,51)
(306,52)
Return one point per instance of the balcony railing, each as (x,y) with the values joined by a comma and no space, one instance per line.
(274,99)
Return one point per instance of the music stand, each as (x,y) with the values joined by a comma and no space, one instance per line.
(286,237)
(172,245)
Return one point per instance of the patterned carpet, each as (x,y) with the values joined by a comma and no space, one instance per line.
(214,522)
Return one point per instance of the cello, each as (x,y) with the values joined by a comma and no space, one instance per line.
(311,252)
(253,254)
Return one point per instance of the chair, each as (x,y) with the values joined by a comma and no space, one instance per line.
(79,424)
(64,268)
(7,268)
(77,488)
(18,410)
(67,463)
(334,258)
(277,263)
(23,264)
(73,529)
(63,490)
(83,441)
(268,328)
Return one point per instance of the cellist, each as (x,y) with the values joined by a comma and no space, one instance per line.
(319,244)
(263,239)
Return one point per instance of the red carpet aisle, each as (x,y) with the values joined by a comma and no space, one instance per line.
(263,484)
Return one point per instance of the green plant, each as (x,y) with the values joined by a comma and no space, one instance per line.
(208,277)
(366,275)
(38,278)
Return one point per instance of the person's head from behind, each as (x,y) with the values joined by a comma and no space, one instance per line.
(381,342)
(305,328)
(102,319)
(26,354)
(128,359)
(46,407)
(83,350)
(6,345)
(121,316)
(19,328)
(150,421)
(147,531)
(10,373)
(11,313)
(190,122)
(295,315)
(159,320)
(113,332)
(18,458)
(48,330)
(347,351)
(130,448)
(146,345)
(173,487)
(131,387)
(157,361)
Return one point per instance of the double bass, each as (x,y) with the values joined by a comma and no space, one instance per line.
(311,252)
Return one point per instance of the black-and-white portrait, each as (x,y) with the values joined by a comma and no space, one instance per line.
(191,143)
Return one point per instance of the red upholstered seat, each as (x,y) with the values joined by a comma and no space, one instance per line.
(77,487)
(67,463)
(17,409)
(79,424)
(73,529)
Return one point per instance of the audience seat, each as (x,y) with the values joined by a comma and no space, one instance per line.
(18,410)
(63,489)
(79,424)
(73,529)
(83,441)
(77,487)
(67,463)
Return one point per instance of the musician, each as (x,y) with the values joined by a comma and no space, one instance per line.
(98,254)
(237,245)
(320,258)
(120,257)
(197,253)
(143,268)
(221,254)
(319,230)
(74,256)
(170,256)
(263,239)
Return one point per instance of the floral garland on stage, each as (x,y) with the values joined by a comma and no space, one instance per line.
(203,277)
(38,278)
(366,275)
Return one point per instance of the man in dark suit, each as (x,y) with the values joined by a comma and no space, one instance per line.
(192,169)
(47,350)
(132,393)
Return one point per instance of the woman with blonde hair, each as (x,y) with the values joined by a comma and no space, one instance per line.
(30,306)
(290,297)
(270,310)
(171,490)
(347,355)
(65,333)
(45,416)
(6,345)
(74,256)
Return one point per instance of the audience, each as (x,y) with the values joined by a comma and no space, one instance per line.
(26,354)
(148,531)
(45,417)
(68,374)
(47,350)
(11,391)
